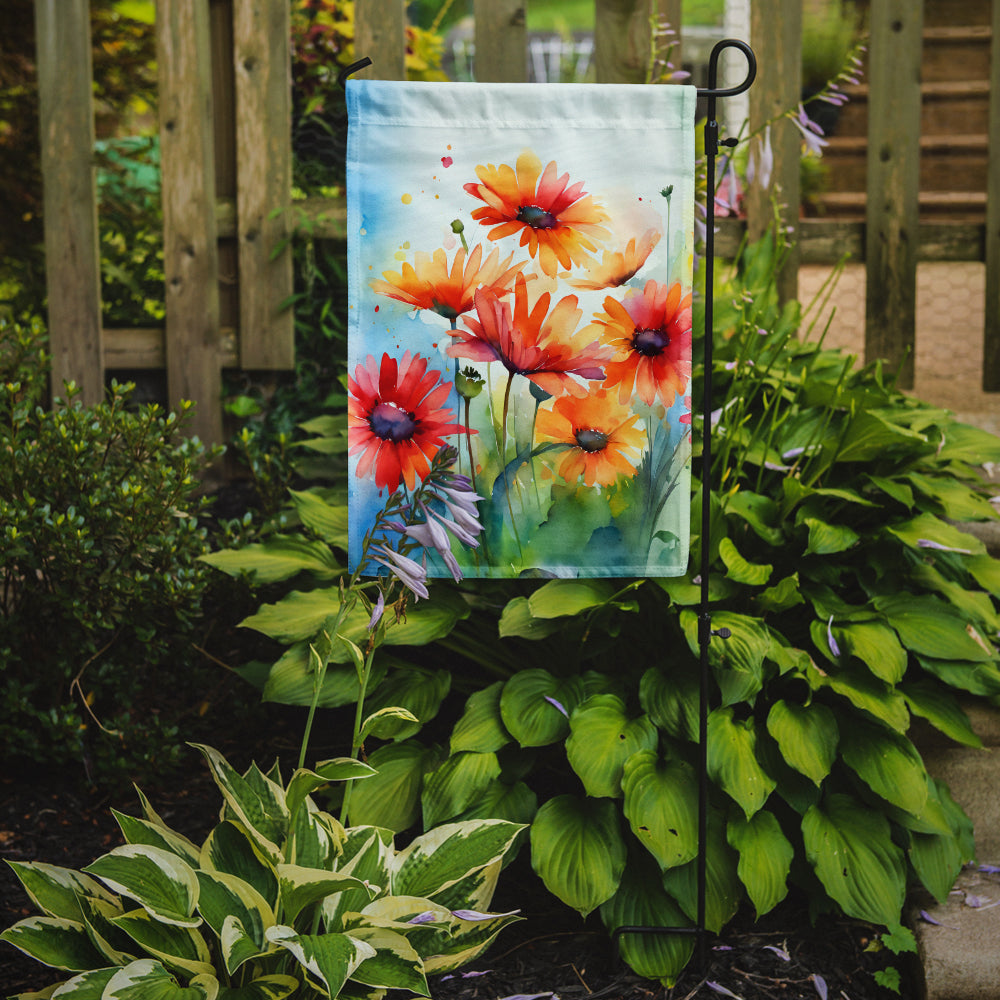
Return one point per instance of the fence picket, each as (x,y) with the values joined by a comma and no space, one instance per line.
(72,257)
(262,62)
(380,34)
(190,252)
(501,41)
(892,215)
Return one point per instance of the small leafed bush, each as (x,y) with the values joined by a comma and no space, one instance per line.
(99,575)
(280,899)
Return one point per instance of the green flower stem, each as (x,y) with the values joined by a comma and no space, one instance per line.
(357,740)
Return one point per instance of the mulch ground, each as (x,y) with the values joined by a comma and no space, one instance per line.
(551,952)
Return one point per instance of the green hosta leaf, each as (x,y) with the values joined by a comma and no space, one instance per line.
(760,512)
(941,709)
(975,605)
(301,887)
(530,706)
(274,987)
(395,964)
(391,798)
(291,680)
(931,628)
(417,690)
(466,941)
(957,501)
(765,858)
(965,443)
(180,948)
(142,831)
(937,860)
(225,897)
(602,738)
(928,528)
(893,488)
(386,723)
(870,436)
(732,760)
(783,595)
(828,539)
(279,558)
(888,763)
(684,592)
(865,692)
(54,941)
(304,782)
(481,728)
(441,857)
(231,850)
(641,901)
(560,598)
(330,959)
(56,891)
(976,678)
(738,661)
(751,574)
(260,809)
(578,851)
(876,646)
(661,798)
(671,701)
(159,881)
(516,803)
(147,979)
(850,847)
(456,784)
(807,736)
(986,572)
(327,520)
(723,889)
(517,620)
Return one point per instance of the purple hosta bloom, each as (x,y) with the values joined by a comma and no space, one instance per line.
(990,869)
(719,988)
(427,917)
(927,543)
(761,163)
(431,535)
(530,996)
(377,612)
(552,701)
(812,134)
(834,648)
(728,195)
(820,983)
(780,952)
(455,492)
(465,975)
(409,572)
(475,915)
(927,918)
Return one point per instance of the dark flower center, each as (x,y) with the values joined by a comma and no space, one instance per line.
(590,440)
(391,423)
(537,218)
(650,343)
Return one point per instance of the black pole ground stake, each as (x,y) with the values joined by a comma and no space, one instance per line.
(705,631)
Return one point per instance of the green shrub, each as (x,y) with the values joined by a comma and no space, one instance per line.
(99,541)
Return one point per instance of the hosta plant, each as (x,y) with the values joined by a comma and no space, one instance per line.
(279,900)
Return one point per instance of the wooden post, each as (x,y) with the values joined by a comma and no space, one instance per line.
(624,40)
(261,57)
(501,41)
(190,254)
(72,256)
(776,34)
(991,333)
(893,183)
(380,34)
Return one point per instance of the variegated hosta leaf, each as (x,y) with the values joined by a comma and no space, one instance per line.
(147,979)
(141,831)
(456,784)
(807,736)
(315,838)
(225,897)
(391,799)
(723,889)
(274,987)
(329,959)
(888,763)
(417,690)
(395,964)
(86,986)
(367,854)
(468,939)
(475,891)
(177,947)
(230,849)
(56,891)
(54,941)
(578,851)
(850,847)
(535,706)
(642,902)
(304,782)
(301,887)
(441,857)
(732,760)
(765,858)
(661,799)
(481,727)
(116,947)
(158,880)
(256,801)
(602,737)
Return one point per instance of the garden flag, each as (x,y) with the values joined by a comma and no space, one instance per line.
(520,264)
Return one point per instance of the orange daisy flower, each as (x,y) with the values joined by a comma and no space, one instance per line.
(558,223)
(618,266)
(604,441)
(428,283)
(651,334)
(396,420)
(542,346)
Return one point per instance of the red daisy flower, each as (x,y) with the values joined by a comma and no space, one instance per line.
(396,419)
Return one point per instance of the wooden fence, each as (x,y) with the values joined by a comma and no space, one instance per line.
(226,162)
